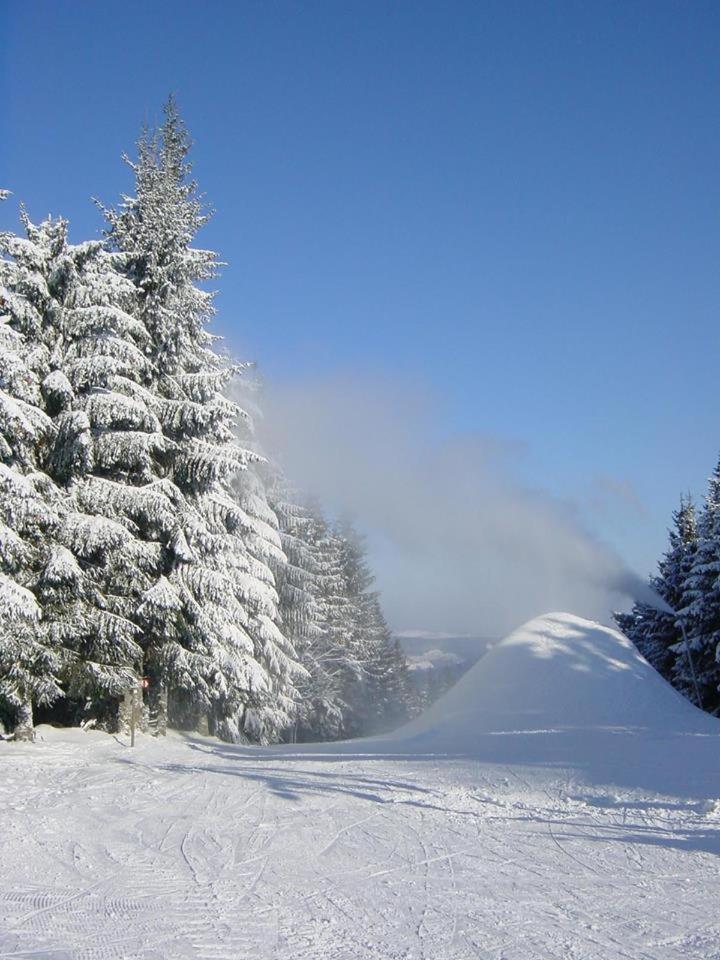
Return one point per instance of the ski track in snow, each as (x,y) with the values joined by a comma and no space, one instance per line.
(193,849)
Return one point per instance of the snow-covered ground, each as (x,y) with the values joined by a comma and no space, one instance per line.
(560,802)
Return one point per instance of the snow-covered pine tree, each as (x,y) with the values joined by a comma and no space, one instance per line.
(135,538)
(357,680)
(408,703)
(391,696)
(360,689)
(58,296)
(315,607)
(276,714)
(234,607)
(654,632)
(294,570)
(700,608)
(29,663)
(337,620)
(378,697)
(318,713)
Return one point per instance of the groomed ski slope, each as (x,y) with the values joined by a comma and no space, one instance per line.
(560,802)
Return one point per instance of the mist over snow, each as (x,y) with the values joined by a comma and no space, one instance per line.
(458,541)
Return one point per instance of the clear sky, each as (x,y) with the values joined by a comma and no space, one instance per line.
(513,204)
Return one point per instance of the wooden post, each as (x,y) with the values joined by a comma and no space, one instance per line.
(136,713)
(130,711)
(133,714)
(125,713)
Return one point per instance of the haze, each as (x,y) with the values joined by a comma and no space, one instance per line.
(458,542)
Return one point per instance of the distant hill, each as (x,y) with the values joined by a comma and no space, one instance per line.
(467,647)
(435,660)
(438,660)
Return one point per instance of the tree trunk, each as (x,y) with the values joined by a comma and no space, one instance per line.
(202,724)
(25,729)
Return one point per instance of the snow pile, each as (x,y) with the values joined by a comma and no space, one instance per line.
(556,674)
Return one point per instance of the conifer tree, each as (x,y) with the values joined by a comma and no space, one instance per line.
(227,590)
(700,608)
(112,457)
(58,296)
(357,678)
(335,650)
(29,663)
(655,633)
(277,713)
(390,698)
(299,578)
(377,695)
(294,568)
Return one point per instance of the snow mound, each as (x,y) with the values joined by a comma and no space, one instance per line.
(555,673)
(561,699)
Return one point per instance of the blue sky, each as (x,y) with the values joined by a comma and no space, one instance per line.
(514,205)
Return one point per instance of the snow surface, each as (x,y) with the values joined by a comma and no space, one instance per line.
(560,802)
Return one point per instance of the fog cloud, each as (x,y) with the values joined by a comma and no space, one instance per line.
(458,542)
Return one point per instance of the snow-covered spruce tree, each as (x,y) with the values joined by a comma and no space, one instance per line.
(231,602)
(360,691)
(29,663)
(655,633)
(357,680)
(294,569)
(319,712)
(378,696)
(66,299)
(335,650)
(315,611)
(276,714)
(392,696)
(136,537)
(700,608)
